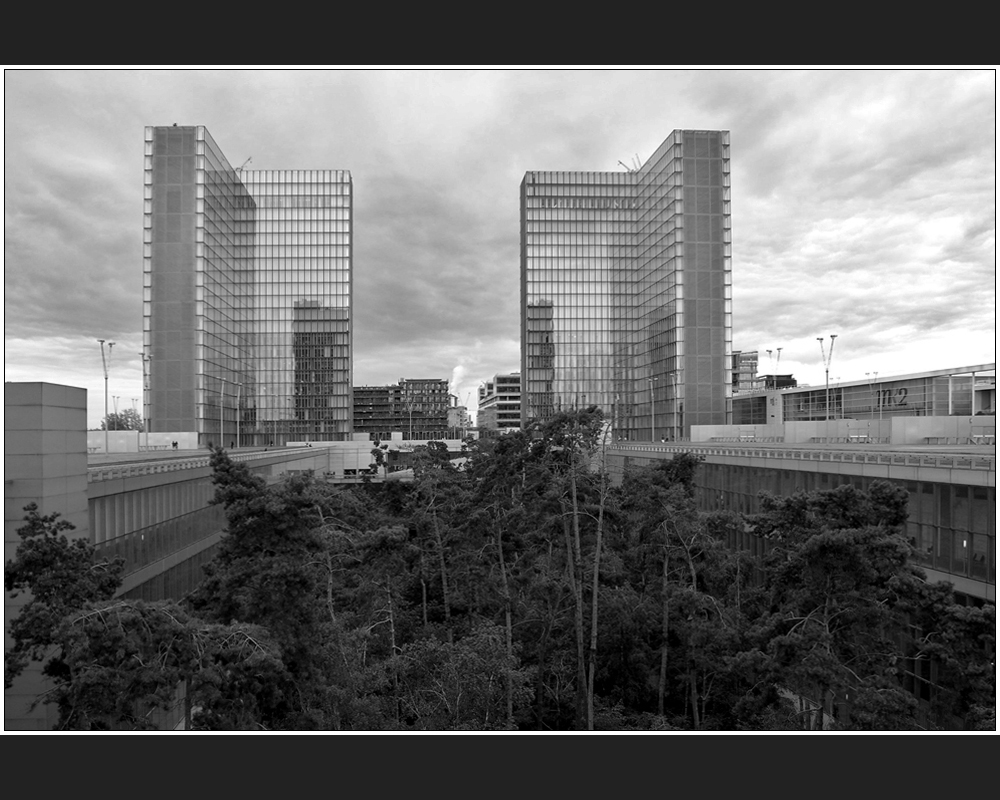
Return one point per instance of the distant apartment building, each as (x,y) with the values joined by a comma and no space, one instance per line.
(745,371)
(415,407)
(459,420)
(500,403)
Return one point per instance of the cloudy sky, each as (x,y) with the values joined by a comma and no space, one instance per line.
(863,205)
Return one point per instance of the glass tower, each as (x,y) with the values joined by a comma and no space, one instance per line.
(246,296)
(197,290)
(302,305)
(626,290)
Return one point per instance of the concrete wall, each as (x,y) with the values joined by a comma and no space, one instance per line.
(709,433)
(958,430)
(45,462)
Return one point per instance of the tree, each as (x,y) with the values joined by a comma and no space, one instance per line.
(680,606)
(268,570)
(62,575)
(127,420)
(380,454)
(957,644)
(115,662)
(460,685)
(126,659)
(569,442)
(840,580)
(658,502)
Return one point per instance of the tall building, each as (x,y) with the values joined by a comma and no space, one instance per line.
(247,295)
(626,290)
(302,291)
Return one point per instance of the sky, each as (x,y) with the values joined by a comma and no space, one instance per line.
(863,205)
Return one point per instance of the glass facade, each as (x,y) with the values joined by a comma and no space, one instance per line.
(246,296)
(930,396)
(302,313)
(626,290)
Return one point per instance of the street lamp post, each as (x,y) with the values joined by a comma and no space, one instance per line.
(652,411)
(222,405)
(239,398)
(408,405)
(827,358)
(222,411)
(876,398)
(873,388)
(106,363)
(676,420)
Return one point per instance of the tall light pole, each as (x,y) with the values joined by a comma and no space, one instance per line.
(239,416)
(876,399)
(827,358)
(222,399)
(676,421)
(222,409)
(106,362)
(873,388)
(879,395)
(652,411)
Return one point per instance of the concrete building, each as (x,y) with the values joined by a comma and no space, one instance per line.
(415,407)
(458,418)
(247,296)
(500,403)
(45,462)
(626,290)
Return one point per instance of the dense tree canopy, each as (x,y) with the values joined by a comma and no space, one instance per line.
(525,590)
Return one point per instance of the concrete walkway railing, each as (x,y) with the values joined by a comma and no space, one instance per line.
(949,460)
(116,471)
